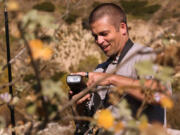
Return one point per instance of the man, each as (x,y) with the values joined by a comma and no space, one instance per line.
(109,28)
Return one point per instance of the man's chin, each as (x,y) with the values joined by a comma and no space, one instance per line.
(108,54)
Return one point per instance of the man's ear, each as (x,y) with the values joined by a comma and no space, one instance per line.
(123,28)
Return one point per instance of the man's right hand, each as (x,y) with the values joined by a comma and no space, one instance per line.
(87,97)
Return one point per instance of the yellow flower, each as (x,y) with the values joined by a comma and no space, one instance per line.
(105,118)
(39,51)
(118,126)
(143,125)
(13,6)
(166,102)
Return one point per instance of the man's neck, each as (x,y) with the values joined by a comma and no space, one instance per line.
(123,43)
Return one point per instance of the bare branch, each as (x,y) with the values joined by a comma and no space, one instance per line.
(37,74)
(23,114)
(10,83)
(14,59)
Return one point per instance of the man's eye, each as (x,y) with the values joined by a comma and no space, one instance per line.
(104,34)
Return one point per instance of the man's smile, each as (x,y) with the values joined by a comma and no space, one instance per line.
(106,47)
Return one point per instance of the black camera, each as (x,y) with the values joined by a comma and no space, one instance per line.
(76,83)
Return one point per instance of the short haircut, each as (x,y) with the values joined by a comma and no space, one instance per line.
(114,12)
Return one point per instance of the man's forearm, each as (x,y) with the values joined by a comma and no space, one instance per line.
(134,87)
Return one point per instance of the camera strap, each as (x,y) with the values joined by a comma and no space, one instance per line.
(126,48)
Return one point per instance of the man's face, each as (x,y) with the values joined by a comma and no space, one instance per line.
(106,36)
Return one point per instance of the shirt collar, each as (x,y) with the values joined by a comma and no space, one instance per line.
(115,59)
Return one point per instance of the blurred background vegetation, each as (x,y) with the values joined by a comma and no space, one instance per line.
(62,25)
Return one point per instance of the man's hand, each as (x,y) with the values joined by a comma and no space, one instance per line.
(87,97)
(96,77)
(93,78)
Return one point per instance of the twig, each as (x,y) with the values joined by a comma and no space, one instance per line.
(66,12)
(37,74)
(77,4)
(9,84)
(22,113)
(13,59)
(140,109)
(34,65)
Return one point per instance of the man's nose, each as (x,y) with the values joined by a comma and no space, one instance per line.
(100,40)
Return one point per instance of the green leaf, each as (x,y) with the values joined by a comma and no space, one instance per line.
(164,74)
(143,118)
(124,111)
(50,89)
(165,41)
(145,68)
(31,108)
(31,15)
(32,26)
(132,123)
(34,20)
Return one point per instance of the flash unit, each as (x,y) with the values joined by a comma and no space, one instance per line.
(74,79)
(75,83)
